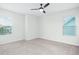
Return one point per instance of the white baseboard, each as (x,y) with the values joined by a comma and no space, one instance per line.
(51,39)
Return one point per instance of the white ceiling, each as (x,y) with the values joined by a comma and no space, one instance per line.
(24,8)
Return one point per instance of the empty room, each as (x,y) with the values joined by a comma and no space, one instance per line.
(39,28)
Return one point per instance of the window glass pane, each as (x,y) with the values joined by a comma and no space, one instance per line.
(69,21)
(5,25)
(69,26)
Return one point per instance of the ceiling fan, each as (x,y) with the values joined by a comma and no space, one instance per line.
(41,8)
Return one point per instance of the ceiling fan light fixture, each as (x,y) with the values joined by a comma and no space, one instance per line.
(41,10)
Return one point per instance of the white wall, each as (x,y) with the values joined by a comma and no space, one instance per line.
(17,28)
(31,27)
(52,26)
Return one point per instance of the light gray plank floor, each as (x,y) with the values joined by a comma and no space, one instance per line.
(38,47)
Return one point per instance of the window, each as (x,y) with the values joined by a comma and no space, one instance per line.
(69,26)
(5,25)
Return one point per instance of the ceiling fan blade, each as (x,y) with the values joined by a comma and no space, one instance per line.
(35,9)
(44,11)
(46,5)
(41,4)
